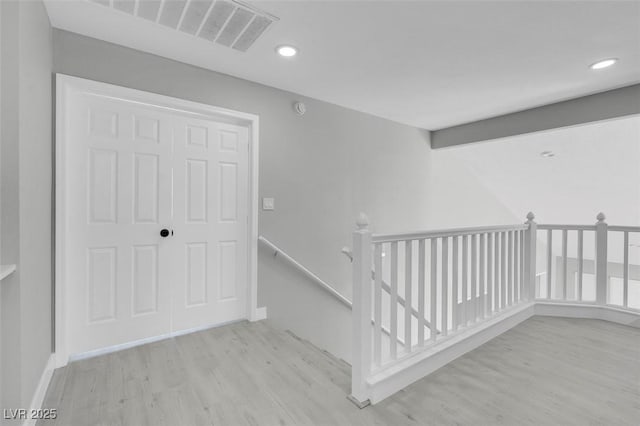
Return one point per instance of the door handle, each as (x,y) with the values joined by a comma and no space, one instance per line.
(164,233)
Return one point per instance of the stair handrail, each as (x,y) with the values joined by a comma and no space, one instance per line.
(317,280)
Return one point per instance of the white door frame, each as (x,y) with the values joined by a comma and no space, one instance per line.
(65,85)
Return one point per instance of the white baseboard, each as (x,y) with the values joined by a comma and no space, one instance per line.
(418,365)
(41,390)
(573,310)
(421,364)
(260,314)
(128,345)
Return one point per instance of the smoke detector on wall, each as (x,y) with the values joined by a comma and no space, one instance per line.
(299,108)
(230,23)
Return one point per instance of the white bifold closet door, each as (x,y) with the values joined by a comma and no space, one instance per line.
(135,169)
(210,216)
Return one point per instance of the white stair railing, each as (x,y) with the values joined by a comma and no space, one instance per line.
(601,253)
(457,278)
(463,281)
(387,289)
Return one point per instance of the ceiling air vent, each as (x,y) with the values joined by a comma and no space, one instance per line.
(227,22)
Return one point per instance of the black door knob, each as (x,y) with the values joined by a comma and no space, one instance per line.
(164,233)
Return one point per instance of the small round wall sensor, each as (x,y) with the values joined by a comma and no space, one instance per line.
(300,108)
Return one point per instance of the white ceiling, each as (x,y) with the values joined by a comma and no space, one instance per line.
(430,64)
(596,168)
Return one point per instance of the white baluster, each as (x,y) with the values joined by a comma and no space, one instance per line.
(393,300)
(516,266)
(580,261)
(496,272)
(361,339)
(625,271)
(474,277)
(549,261)
(523,294)
(490,273)
(377,309)
(530,257)
(421,286)
(445,285)
(407,295)
(454,284)
(510,284)
(563,290)
(465,281)
(482,276)
(601,260)
(433,285)
(514,296)
(503,270)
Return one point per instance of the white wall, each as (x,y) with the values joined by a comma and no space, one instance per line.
(9,287)
(26,326)
(459,199)
(595,168)
(1,125)
(35,182)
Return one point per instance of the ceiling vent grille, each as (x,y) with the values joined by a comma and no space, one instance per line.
(230,23)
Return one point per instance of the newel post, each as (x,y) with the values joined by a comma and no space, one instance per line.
(601,259)
(361,338)
(530,257)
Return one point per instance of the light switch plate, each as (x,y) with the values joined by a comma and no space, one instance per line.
(268,204)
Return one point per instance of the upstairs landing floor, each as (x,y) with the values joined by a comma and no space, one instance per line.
(545,371)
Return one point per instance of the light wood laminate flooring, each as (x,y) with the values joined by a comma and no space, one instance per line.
(545,371)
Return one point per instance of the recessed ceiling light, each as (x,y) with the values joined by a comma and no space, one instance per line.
(547,154)
(603,64)
(287,51)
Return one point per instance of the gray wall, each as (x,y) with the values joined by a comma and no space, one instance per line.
(322,168)
(1,191)
(35,190)
(9,287)
(26,198)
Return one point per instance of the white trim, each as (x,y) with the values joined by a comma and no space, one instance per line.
(624,228)
(254,208)
(260,314)
(588,311)
(6,270)
(128,345)
(420,364)
(386,238)
(41,390)
(64,85)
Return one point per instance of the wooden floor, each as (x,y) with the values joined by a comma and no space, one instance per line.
(546,371)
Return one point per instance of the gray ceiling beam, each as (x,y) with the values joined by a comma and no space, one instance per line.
(600,106)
